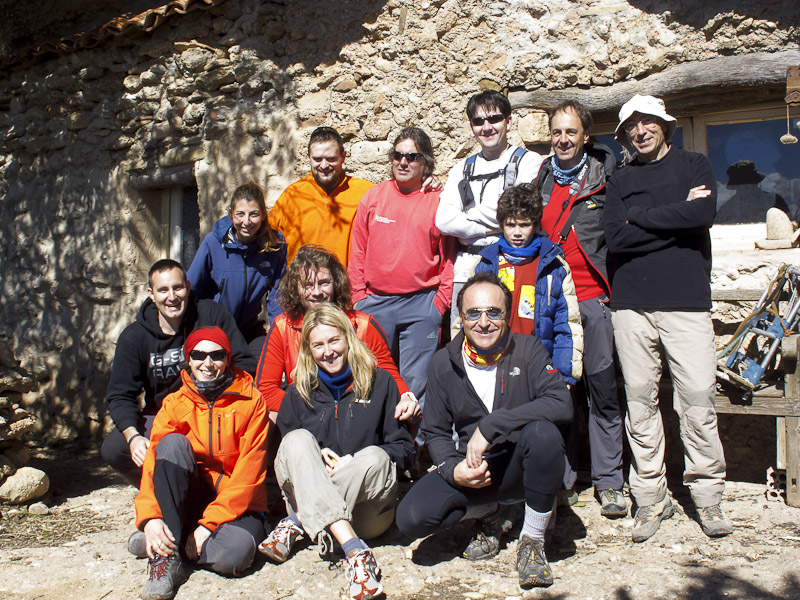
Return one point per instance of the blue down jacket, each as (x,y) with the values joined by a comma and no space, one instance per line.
(556,316)
(238,276)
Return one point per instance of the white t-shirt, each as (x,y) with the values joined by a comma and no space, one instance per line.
(478,224)
(483,379)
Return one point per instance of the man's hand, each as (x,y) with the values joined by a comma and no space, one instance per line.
(194,545)
(159,539)
(408,409)
(475,448)
(138,447)
(472,478)
(431,184)
(698,192)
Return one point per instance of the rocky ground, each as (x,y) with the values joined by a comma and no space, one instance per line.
(78,552)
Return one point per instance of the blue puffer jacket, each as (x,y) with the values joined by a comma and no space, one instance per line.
(556,316)
(238,276)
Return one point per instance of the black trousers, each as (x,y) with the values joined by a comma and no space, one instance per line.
(116,452)
(530,470)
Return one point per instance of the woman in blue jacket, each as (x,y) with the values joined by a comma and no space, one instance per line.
(241,261)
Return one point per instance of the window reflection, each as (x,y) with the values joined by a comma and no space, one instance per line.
(754,170)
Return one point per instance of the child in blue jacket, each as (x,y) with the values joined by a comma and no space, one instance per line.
(534,269)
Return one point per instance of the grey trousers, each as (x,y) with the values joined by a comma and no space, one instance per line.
(605,418)
(413,325)
(686,340)
(362,491)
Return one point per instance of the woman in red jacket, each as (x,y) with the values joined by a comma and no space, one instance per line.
(316,276)
(202,493)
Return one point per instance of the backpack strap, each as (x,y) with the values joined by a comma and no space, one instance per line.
(464,189)
(512,168)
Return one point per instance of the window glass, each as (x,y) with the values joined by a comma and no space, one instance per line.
(609,140)
(754,170)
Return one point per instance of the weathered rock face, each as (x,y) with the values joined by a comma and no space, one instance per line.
(90,141)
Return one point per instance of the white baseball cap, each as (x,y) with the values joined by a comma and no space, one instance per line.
(646,105)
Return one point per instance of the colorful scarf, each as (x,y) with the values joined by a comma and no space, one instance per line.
(521,256)
(483,358)
(566,176)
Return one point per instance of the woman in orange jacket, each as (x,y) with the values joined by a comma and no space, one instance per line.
(202,493)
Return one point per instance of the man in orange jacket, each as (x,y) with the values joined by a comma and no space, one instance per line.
(203,492)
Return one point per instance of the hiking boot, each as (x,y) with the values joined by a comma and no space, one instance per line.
(279,542)
(648,519)
(566,498)
(363,572)
(612,504)
(166,575)
(486,541)
(532,565)
(713,522)
(137,544)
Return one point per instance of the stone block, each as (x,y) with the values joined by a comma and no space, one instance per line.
(533,128)
(7,468)
(181,156)
(370,152)
(19,455)
(24,485)
(779,225)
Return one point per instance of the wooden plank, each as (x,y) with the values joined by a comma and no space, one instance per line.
(780,442)
(687,88)
(793,461)
(736,295)
(776,407)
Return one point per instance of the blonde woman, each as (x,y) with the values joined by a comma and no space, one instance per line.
(341,448)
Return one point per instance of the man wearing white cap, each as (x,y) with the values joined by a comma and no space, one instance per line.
(657,215)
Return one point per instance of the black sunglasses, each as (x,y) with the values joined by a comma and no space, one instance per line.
(493,119)
(409,156)
(216,355)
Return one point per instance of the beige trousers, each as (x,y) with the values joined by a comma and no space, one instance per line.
(362,491)
(686,342)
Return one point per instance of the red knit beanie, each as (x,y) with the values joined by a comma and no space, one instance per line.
(212,334)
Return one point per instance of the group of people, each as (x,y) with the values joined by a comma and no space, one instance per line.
(306,341)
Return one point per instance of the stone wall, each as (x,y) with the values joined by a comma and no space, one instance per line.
(231,93)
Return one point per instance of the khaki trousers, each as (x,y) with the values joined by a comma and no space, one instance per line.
(686,341)
(362,491)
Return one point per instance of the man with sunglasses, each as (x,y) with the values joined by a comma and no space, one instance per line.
(468,206)
(148,358)
(401,267)
(501,395)
(657,217)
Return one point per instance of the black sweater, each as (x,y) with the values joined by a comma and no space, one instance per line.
(353,424)
(148,359)
(660,242)
(527,388)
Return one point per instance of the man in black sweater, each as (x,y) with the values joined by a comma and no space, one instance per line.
(502,396)
(148,359)
(657,217)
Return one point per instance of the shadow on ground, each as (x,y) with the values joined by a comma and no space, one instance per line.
(74,470)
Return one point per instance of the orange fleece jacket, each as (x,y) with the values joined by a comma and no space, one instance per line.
(237,458)
(306,214)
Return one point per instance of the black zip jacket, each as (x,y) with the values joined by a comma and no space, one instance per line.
(351,424)
(148,359)
(528,388)
(588,224)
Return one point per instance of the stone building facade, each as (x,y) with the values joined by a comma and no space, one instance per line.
(112,152)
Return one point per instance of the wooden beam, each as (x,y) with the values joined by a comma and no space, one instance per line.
(688,89)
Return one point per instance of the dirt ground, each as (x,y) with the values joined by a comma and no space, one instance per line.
(78,552)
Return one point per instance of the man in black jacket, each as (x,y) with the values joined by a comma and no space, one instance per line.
(573,186)
(503,398)
(658,213)
(148,358)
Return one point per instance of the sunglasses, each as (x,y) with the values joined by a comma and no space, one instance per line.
(493,314)
(216,355)
(409,156)
(493,119)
